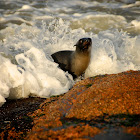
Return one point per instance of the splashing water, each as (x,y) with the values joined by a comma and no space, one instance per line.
(27,69)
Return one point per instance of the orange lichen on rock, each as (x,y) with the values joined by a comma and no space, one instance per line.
(71,132)
(88,102)
(110,94)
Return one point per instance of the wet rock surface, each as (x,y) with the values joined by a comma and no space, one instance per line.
(103,107)
(14,119)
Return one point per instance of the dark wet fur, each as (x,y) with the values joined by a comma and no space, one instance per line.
(63,59)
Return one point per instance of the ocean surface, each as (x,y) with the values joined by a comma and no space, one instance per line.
(31,30)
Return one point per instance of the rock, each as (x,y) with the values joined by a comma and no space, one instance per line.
(14,121)
(93,108)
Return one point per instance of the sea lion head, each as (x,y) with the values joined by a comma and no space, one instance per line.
(84,45)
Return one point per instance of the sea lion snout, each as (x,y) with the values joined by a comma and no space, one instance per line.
(87,42)
(84,43)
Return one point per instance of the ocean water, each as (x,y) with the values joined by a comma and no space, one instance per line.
(31,30)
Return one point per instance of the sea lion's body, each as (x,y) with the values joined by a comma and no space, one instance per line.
(75,62)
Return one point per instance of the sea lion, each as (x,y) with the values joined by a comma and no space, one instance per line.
(75,62)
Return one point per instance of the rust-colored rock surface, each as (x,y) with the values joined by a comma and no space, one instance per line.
(102,107)
(92,105)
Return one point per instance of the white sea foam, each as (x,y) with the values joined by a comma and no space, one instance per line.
(114,52)
(136,25)
(137,3)
(32,70)
(28,69)
(98,22)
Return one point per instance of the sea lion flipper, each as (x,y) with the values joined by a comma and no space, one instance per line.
(62,58)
